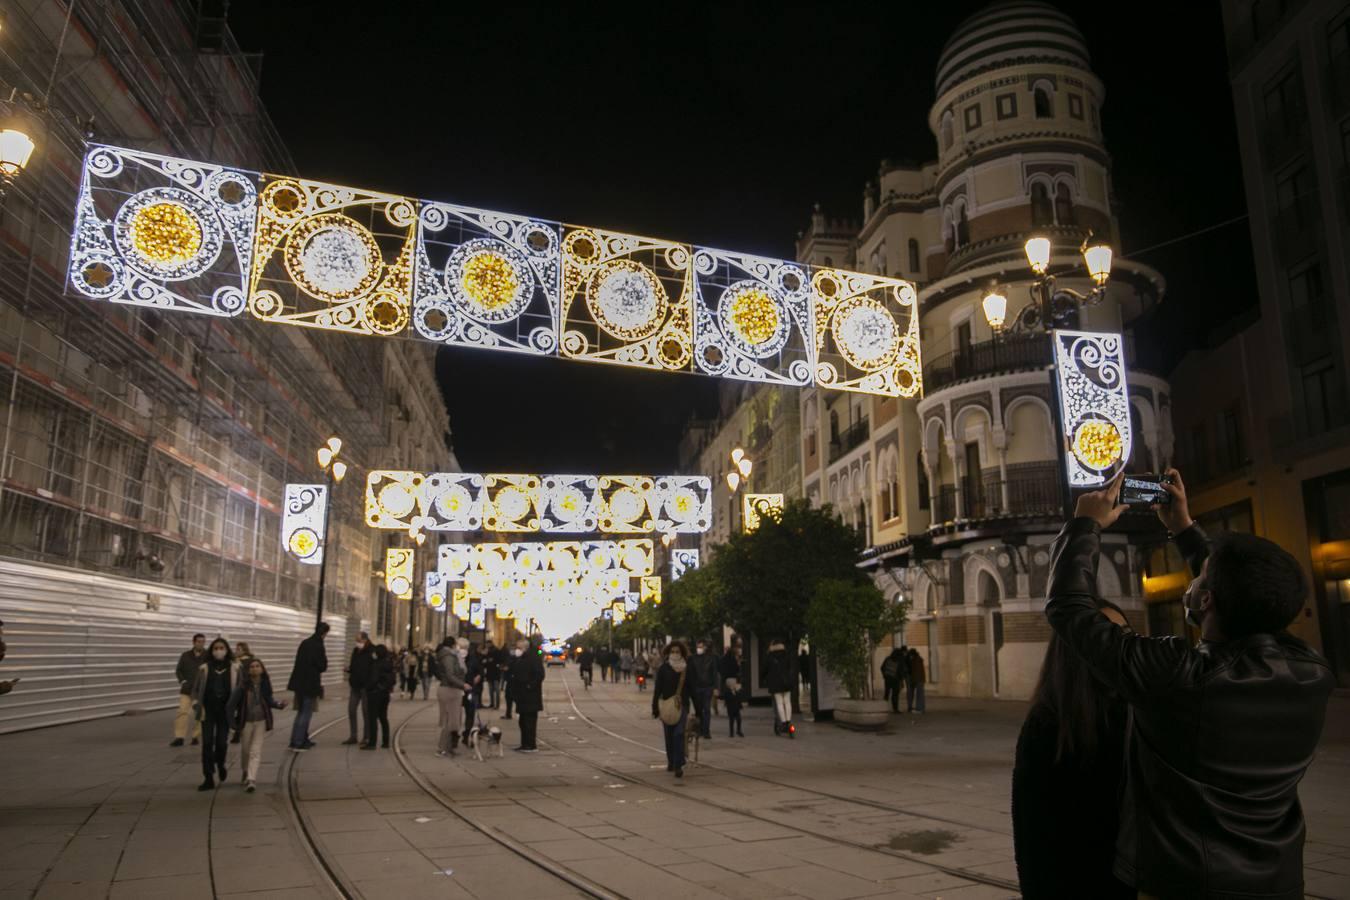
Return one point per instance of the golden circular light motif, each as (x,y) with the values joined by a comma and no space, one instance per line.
(683,504)
(754,315)
(166,233)
(626,299)
(1097,444)
(490,281)
(303,543)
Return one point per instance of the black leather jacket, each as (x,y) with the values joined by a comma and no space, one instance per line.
(1220,736)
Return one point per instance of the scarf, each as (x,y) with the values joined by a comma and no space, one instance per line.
(677,663)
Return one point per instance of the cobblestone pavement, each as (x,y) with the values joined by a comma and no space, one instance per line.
(106,809)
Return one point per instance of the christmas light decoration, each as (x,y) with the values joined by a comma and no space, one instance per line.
(174,234)
(650,589)
(435,594)
(302,525)
(398,572)
(575,504)
(682,561)
(755,507)
(563,560)
(1095,405)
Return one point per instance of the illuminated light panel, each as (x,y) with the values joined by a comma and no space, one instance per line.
(867,333)
(682,561)
(459,603)
(650,589)
(175,234)
(435,594)
(302,522)
(755,507)
(1094,405)
(398,572)
(479,565)
(566,504)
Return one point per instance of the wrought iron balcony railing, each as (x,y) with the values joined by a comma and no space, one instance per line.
(1004,354)
(850,439)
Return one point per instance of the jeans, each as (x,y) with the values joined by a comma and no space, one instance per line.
(529,725)
(304,711)
(675,741)
(494,691)
(357,700)
(215,739)
(377,715)
(180,721)
(914,697)
(733,712)
(250,748)
(426,686)
(451,703)
(704,699)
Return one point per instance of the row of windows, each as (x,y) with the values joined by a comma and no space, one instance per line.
(1005,107)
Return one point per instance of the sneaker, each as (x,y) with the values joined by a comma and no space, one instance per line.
(297,748)
(309,745)
(442,753)
(176,742)
(250,788)
(349,741)
(207,785)
(529,750)
(367,746)
(679,771)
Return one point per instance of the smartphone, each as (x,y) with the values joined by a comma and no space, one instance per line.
(1145,490)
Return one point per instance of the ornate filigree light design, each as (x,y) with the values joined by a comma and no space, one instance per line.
(755,507)
(682,561)
(302,531)
(435,594)
(1095,405)
(479,564)
(559,504)
(175,234)
(398,572)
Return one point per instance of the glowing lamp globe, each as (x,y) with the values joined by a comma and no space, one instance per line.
(1038,254)
(995,309)
(1098,260)
(16,148)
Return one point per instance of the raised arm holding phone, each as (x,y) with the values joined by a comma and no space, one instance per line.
(1221,732)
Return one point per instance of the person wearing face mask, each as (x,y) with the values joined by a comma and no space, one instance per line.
(359,674)
(250,712)
(527,684)
(210,699)
(676,687)
(730,674)
(186,673)
(705,671)
(1066,780)
(449,672)
(1220,734)
(383,679)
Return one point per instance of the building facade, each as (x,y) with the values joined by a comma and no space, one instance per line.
(959,494)
(154,448)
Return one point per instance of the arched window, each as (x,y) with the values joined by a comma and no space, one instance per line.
(1042,211)
(829,261)
(1063,204)
(834,427)
(949,233)
(913,255)
(885,497)
(923,482)
(962,227)
(1042,102)
(947,131)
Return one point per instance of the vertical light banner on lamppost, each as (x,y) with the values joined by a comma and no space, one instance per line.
(650,589)
(459,603)
(435,596)
(302,526)
(755,507)
(398,572)
(682,561)
(1094,406)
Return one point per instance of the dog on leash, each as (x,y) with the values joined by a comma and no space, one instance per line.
(481,734)
(693,736)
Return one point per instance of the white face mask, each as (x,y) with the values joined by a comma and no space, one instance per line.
(218,653)
(699,651)
(516,652)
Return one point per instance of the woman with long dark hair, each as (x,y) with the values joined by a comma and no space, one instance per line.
(675,689)
(210,696)
(1067,779)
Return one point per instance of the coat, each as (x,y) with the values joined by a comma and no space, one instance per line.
(917,675)
(199,685)
(237,708)
(777,672)
(527,682)
(1065,814)
(382,677)
(668,682)
(705,667)
(186,670)
(311,661)
(449,667)
(359,668)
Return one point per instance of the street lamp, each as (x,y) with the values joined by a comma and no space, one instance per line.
(1050,302)
(335,469)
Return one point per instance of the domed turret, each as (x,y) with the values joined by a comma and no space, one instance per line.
(1010,33)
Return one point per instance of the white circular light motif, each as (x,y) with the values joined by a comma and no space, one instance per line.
(627,300)
(396,500)
(866,334)
(336,260)
(682,505)
(454,502)
(512,503)
(635,559)
(569,503)
(626,504)
(399,585)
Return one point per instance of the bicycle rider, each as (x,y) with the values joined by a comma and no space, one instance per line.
(586,660)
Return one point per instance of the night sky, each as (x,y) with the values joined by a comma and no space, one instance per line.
(720,127)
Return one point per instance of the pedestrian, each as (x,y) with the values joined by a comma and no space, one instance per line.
(527,682)
(410,673)
(449,672)
(211,691)
(491,675)
(380,687)
(586,666)
(676,688)
(359,674)
(311,661)
(1220,734)
(424,666)
(804,667)
(626,664)
(250,711)
(242,655)
(890,676)
(917,677)
(186,673)
(472,657)
(1066,780)
(730,674)
(778,681)
(7,686)
(704,665)
(507,690)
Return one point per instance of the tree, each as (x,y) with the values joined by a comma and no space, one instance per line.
(845,621)
(693,606)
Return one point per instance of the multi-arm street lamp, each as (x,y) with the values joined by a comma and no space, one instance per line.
(1050,302)
(335,470)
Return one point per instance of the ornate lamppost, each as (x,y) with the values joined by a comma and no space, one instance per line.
(335,470)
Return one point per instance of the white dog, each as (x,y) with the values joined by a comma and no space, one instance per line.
(479,734)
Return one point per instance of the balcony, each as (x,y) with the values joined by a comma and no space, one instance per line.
(1005,354)
(1033,489)
(850,439)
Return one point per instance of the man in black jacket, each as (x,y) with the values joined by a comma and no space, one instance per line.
(186,673)
(704,665)
(360,673)
(311,661)
(527,690)
(1221,733)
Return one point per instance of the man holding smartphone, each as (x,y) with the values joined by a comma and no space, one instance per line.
(1221,733)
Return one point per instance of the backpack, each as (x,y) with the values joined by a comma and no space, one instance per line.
(437,670)
(891,667)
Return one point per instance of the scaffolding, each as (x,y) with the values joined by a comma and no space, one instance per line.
(157,446)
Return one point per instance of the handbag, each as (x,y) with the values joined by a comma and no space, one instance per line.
(670,708)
